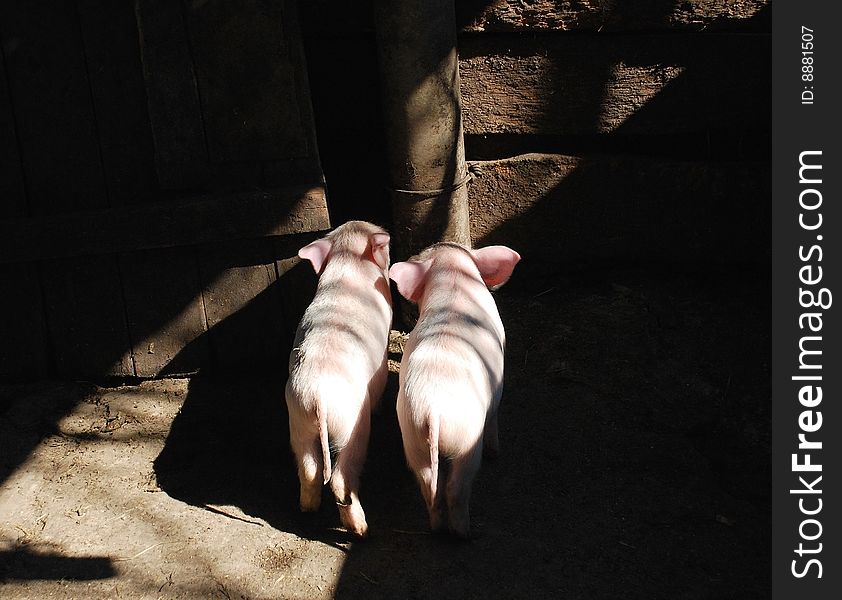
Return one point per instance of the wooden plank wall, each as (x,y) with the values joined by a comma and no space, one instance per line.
(611,15)
(62,166)
(600,131)
(665,109)
(23,317)
(608,131)
(151,153)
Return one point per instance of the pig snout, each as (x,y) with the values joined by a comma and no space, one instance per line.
(451,375)
(337,369)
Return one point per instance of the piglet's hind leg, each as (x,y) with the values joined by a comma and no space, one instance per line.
(345,481)
(463,470)
(308,456)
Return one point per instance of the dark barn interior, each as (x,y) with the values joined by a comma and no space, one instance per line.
(161,163)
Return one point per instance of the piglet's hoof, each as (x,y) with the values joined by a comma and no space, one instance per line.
(353,519)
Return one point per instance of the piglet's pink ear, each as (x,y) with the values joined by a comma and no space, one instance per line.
(380,249)
(495,264)
(316,253)
(410,277)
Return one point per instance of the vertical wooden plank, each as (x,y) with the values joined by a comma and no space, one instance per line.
(23,353)
(51,96)
(175,104)
(62,164)
(250,73)
(246,80)
(110,36)
(12,191)
(243,305)
(87,317)
(166,313)
(298,58)
(174,108)
(161,288)
(301,170)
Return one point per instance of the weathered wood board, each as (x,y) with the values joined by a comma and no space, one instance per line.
(165,310)
(696,97)
(23,353)
(227,92)
(86,317)
(611,15)
(176,107)
(239,73)
(173,98)
(48,81)
(324,17)
(262,113)
(185,222)
(243,305)
(110,36)
(164,283)
(564,209)
(12,189)
(138,128)
(244,77)
(50,90)
(110,33)
(589,85)
(307,169)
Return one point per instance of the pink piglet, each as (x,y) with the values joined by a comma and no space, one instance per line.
(337,368)
(451,375)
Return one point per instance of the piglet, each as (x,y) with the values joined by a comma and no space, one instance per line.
(451,375)
(337,367)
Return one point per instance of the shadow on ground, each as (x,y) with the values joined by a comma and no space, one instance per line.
(635,452)
(23,563)
(23,426)
(229,446)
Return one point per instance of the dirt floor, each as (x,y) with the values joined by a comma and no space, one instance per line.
(635,463)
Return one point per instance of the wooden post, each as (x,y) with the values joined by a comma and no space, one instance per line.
(423,123)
